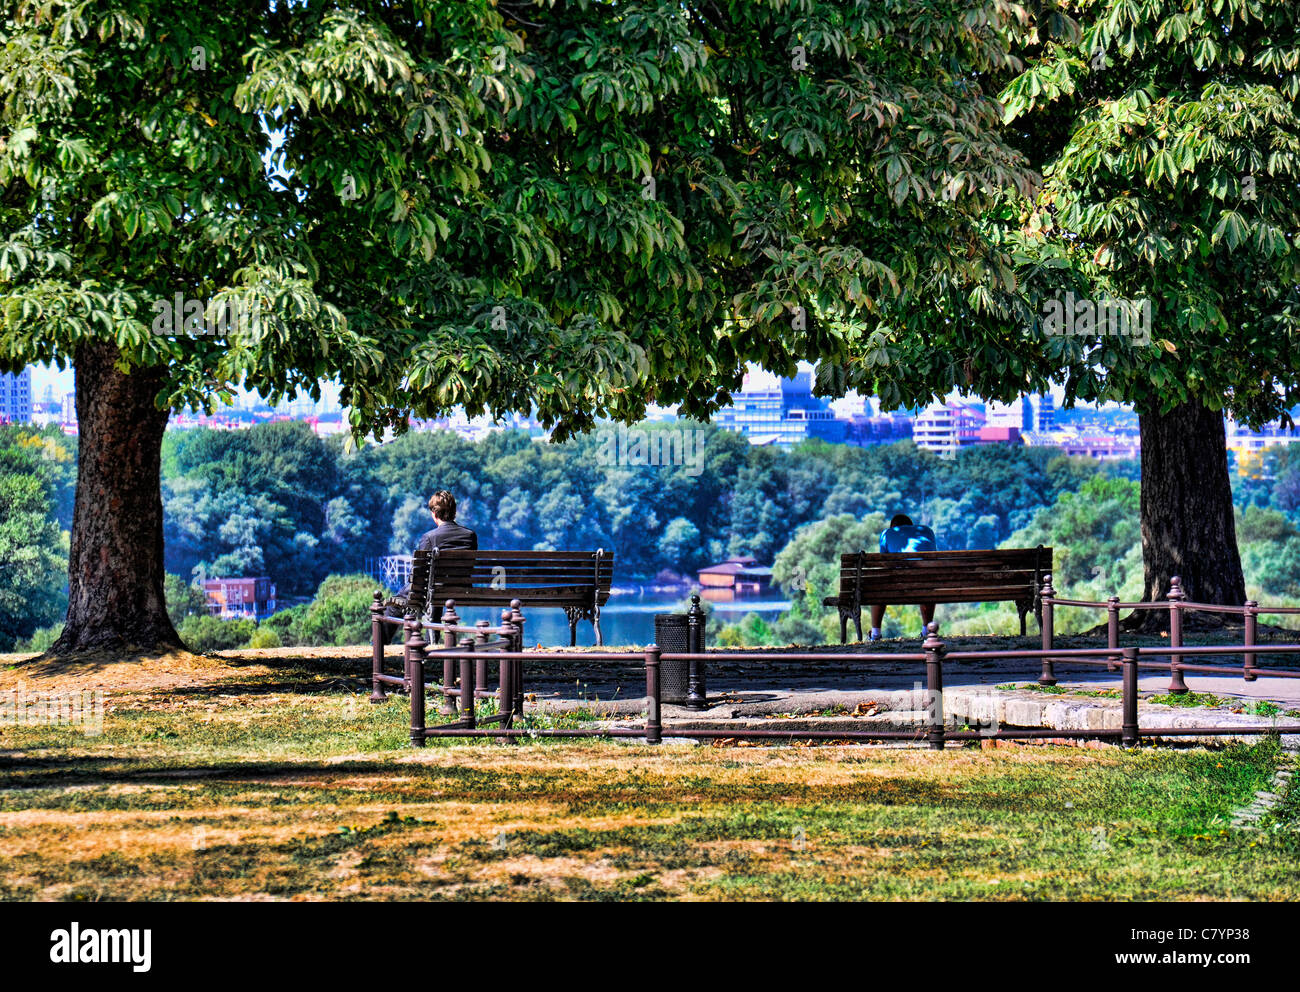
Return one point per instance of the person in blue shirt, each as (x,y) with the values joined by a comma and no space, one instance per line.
(900,537)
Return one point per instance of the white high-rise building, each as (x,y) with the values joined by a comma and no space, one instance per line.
(1018,414)
(851,405)
(946,428)
(1044,411)
(16,397)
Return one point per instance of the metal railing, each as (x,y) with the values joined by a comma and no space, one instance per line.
(1176,604)
(477,645)
(472,652)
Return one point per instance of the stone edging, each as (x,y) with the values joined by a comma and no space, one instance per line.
(1248,817)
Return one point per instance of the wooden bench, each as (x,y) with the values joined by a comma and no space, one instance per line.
(1014,574)
(575,581)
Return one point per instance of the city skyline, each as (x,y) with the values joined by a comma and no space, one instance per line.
(63,381)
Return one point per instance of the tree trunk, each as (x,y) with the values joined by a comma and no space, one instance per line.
(1187,520)
(115,569)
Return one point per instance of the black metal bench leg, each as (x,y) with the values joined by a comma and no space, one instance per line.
(844,627)
(573,634)
(600,641)
(857,622)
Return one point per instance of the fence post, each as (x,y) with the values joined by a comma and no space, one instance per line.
(467,666)
(415,648)
(506,688)
(449,617)
(1176,596)
(1048,677)
(481,662)
(407,618)
(1112,630)
(377,641)
(653,728)
(696,693)
(1252,616)
(517,620)
(1129,729)
(934,686)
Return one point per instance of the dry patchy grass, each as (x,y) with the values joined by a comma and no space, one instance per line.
(275,778)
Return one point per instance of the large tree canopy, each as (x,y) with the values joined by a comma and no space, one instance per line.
(1175,183)
(1168,136)
(1175,180)
(579,206)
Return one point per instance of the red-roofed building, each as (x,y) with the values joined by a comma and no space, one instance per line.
(997,435)
(742,573)
(253,598)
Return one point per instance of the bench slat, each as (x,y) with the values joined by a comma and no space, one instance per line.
(529,597)
(904,580)
(507,593)
(965,553)
(466,555)
(937,576)
(576,587)
(1019,590)
(901,563)
(582,574)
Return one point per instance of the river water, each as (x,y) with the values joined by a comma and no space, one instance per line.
(629,618)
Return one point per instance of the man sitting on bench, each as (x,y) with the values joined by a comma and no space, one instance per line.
(447,535)
(900,537)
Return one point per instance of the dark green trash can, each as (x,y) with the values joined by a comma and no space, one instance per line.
(672,634)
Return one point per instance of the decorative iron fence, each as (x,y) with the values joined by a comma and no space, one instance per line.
(503,644)
(1176,604)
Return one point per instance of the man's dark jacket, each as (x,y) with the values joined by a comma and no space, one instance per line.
(449,536)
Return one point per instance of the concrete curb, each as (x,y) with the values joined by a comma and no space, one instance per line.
(982,708)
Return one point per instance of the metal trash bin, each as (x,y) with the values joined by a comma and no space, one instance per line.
(672,634)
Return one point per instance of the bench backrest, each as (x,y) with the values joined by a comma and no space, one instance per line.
(489,578)
(944,576)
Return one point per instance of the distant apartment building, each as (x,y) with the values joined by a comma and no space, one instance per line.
(253,598)
(1246,446)
(1103,447)
(946,429)
(886,428)
(1019,414)
(997,435)
(16,397)
(70,408)
(1044,411)
(852,405)
(47,410)
(772,410)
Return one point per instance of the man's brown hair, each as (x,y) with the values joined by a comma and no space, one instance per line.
(443,505)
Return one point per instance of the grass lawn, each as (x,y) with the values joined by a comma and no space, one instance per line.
(279,780)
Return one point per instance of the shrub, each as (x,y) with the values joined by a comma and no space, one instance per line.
(42,639)
(285,624)
(264,637)
(206,633)
(752,631)
(340,613)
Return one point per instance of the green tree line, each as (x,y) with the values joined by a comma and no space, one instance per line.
(277,500)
